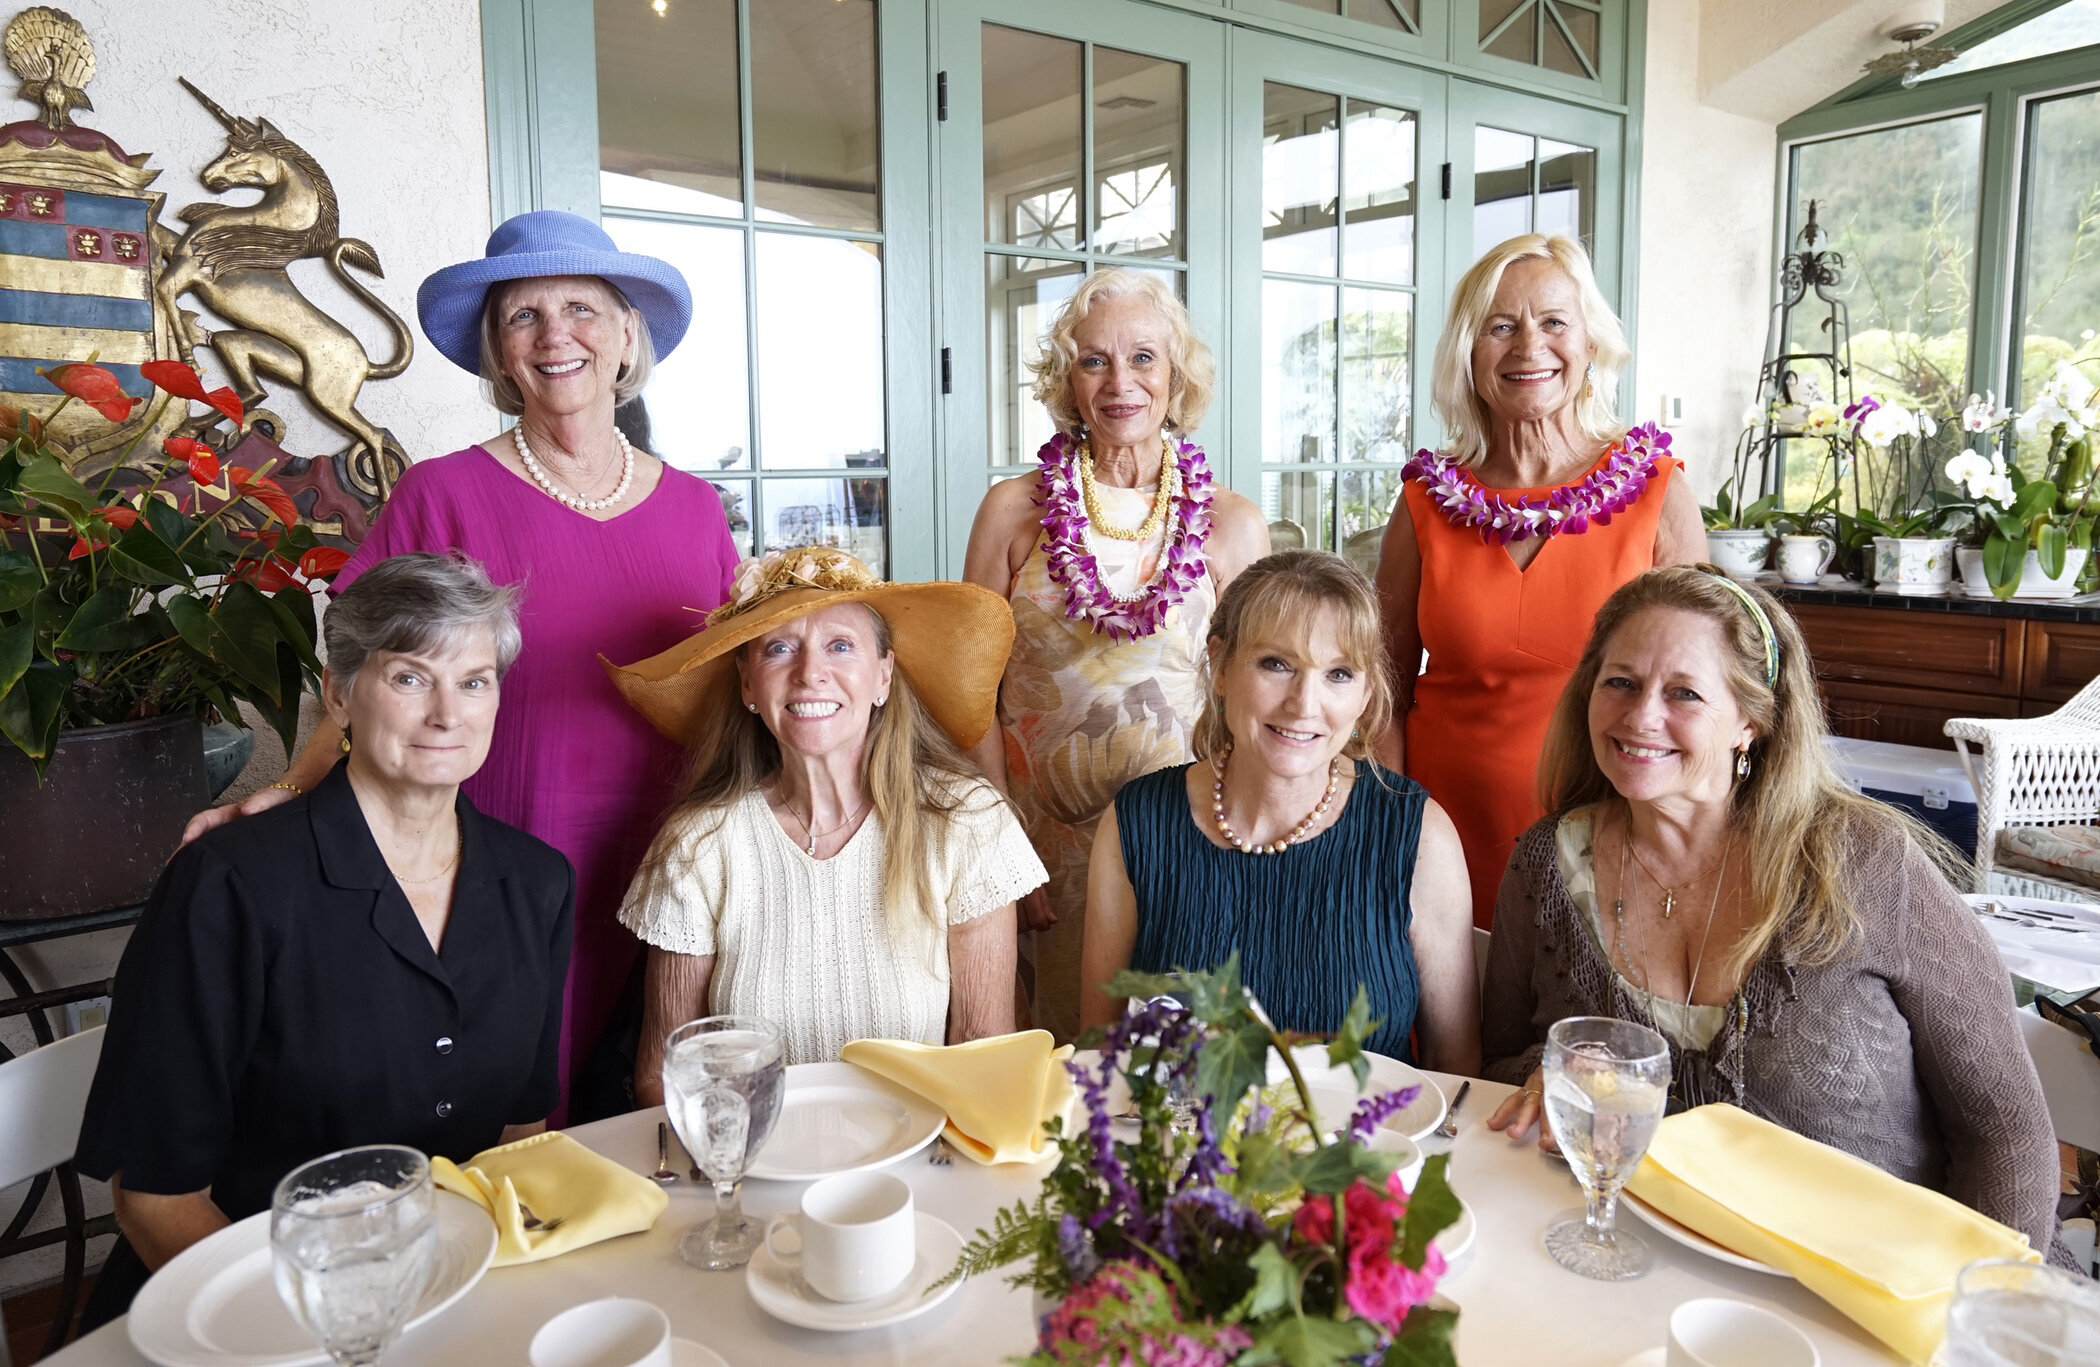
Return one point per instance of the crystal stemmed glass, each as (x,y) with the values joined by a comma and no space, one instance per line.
(1607,1083)
(723,1080)
(2015,1314)
(352,1241)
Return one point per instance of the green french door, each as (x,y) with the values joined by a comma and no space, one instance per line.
(1068,137)
(1524,165)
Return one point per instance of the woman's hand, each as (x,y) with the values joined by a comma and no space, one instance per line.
(1035,910)
(315,759)
(1520,1112)
(211,818)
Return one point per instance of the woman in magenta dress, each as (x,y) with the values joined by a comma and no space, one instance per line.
(620,556)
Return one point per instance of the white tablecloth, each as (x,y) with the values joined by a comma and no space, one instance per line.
(1519,1307)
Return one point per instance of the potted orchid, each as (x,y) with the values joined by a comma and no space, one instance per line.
(1210,1235)
(2031,537)
(1739,527)
(1912,542)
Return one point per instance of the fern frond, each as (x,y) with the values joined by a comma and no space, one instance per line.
(1015,1233)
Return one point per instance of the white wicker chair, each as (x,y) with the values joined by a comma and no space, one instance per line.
(2033,771)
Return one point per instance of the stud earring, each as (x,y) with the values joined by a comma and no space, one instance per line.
(880,701)
(751,707)
(1742,762)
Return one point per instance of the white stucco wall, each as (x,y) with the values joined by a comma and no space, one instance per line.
(1705,249)
(386,95)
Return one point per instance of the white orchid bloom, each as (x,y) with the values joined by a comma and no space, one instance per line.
(1969,469)
(1976,413)
(1753,416)
(1998,489)
(1882,426)
(2074,390)
(1925,426)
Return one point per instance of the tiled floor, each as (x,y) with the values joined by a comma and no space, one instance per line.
(28,1318)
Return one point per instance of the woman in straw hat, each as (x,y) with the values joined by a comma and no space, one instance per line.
(837,864)
(614,551)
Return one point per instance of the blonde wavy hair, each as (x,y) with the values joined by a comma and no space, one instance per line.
(1799,822)
(1458,404)
(1195,371)
(1277,598)
(912,771)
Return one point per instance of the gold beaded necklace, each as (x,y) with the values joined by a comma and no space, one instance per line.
(1169,487)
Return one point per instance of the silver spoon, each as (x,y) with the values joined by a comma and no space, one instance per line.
(663,1176)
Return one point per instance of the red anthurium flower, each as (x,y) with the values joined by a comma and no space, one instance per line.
(19,422)
(82,547)
(265,491)
(268,536)
(93,386)
(269,575)
(181,381)
(203,462)
(322,562)
(119,516)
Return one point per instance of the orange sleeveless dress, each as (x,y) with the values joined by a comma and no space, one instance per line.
(1502,643)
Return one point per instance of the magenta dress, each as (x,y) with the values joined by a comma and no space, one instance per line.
(571,762)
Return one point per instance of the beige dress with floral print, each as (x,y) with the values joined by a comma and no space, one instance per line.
(1083,716)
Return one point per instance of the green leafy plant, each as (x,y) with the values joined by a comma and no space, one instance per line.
(175,585)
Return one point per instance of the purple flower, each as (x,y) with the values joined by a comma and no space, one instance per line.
(1372,1111)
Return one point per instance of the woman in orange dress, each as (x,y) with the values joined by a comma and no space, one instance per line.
(1507,542)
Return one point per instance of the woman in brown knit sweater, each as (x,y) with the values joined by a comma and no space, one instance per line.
(1703,871)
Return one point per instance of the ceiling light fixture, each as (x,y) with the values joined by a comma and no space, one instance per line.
(1913,61)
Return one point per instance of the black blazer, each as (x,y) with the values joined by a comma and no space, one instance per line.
(279,1001)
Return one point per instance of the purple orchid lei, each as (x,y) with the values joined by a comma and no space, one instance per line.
(1073,567)
(1615,485)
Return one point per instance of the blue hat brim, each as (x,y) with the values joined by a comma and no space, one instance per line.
(450,302)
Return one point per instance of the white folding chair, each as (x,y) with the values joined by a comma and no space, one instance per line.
(2070,1075)
(43,1095)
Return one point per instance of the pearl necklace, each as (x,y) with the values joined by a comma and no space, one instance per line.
(1169,487)
(580,504)
(1300,832)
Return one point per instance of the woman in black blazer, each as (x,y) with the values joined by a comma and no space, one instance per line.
(371,962)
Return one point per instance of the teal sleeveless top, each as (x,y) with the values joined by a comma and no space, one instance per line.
(1310,924)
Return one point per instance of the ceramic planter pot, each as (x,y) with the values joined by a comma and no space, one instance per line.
(1916,566)
(2033,583)
(1741,553)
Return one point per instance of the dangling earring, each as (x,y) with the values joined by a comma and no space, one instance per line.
(1589,382)
(345,746)
(1742,762)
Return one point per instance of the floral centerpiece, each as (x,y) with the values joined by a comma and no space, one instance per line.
(2021,523)
(1211,1236)
(173,585)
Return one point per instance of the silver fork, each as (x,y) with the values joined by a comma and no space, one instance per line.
(1449,1128)
(938,1156)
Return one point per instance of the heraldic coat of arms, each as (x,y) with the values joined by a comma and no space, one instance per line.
(87,268)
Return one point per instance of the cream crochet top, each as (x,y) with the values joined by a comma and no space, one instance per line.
(805,942)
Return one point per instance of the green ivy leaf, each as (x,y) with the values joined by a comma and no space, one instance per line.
(1215,996)
(103,622)
(29,712)
(1310,1341)
(1275,1283)
(1231,1062)
(1347,1046)
(1424,1340)
(19,580)
(141,556)
(1335,1168)
(1431,1208)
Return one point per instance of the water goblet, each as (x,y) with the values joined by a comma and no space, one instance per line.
(352,1242)
(2015,1314)
(1607,1083)
(723,1083)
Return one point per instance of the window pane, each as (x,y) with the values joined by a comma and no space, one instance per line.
(2073,25)
(815,152)
(846,513)
(1299,178)
(819,304)
(699,399)
(1387,13)
(1031,139)
(2060,248)
(1022,298)
(1300,507)
(1502,170)
(1137,153)
(1899,204)
(1297,372)
(1379,185)
(736,506)
(1377,395)
(1519,40)
(1567,201)
(667,107)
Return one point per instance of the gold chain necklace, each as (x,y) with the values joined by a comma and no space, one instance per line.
(1618,919)
(441,874)
(1169,486)
(1670,893)
(814,836)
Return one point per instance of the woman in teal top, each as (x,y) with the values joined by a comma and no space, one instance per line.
(1285,843)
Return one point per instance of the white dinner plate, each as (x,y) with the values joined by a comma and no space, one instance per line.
(781,1292)
(839,1117)
(1692,1238)
(686,1353)
(215,1304)
(1416,1120)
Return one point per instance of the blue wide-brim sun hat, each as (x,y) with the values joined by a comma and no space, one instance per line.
(549,242)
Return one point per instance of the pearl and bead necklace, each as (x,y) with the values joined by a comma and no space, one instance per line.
(1302,831)
(580,504)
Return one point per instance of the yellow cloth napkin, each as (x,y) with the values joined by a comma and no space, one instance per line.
(1883,1251)
(557,1179)
(998,1092)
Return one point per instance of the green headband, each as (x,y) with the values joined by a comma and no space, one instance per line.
(1764,626)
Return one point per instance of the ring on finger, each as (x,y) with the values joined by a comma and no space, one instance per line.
(1531,1091)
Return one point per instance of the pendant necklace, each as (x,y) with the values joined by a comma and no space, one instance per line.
(1670,893)
(810,849)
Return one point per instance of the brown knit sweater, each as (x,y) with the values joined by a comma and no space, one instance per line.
(1904,1052)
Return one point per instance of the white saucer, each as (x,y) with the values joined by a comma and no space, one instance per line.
(781,1292)
(1455,1238)
(1653,1357)
(686,1353)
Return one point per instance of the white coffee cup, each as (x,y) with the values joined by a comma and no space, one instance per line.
(1802,559)
(859,1236)
(614,1332)
(1715,1332)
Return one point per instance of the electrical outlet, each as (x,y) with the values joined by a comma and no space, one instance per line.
(86,1015)
(1672,410)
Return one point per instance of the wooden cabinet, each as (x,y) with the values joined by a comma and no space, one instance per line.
(1892,674)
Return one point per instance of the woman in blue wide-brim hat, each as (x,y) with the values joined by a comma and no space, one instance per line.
(619,555)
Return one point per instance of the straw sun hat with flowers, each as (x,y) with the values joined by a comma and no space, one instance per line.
(950,640)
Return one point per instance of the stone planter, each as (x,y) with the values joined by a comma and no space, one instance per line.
(108,814)
(1742,553)
(2033,583)
(1916,566)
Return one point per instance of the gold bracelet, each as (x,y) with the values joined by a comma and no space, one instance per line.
(296,790)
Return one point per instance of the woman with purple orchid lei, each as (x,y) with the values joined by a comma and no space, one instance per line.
(1211,1232)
